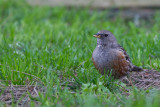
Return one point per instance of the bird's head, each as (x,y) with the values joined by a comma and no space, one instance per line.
(105,38)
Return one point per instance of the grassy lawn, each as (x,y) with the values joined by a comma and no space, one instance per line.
(52,48)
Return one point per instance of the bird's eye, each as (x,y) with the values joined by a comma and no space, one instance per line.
(105,35)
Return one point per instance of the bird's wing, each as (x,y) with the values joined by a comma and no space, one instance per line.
(125,53)
(134,68)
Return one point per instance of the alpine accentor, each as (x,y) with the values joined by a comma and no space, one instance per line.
(110,56)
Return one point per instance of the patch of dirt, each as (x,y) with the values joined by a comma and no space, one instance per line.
(19,94)
(22,95)
(144,79)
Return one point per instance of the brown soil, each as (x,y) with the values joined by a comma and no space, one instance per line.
(19,94)
(144,79)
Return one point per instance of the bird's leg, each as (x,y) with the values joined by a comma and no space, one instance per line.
(129,79)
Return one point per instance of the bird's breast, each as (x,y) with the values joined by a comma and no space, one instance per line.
(102,57)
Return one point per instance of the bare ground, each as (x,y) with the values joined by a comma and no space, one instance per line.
(145,79)
(21,95)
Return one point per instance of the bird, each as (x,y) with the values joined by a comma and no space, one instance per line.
(110,57)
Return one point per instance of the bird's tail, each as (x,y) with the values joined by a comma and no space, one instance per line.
(135,68)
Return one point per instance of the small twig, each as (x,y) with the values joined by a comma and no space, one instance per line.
(35,89)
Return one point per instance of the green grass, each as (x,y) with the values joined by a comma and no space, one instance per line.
(53,47)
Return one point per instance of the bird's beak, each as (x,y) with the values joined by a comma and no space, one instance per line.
(97,36)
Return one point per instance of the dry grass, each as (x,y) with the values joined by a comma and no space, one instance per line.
(20,95)
(145,79)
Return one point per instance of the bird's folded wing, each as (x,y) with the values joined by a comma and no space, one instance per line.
(125,53)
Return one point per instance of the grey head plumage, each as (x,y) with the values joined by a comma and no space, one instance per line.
(106,38)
